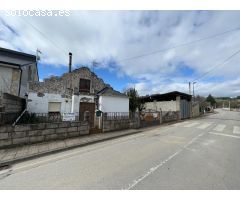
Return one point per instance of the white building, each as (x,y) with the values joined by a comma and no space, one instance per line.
(112,101)
(80,91)
(173,101)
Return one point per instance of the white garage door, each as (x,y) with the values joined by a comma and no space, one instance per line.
(54,106)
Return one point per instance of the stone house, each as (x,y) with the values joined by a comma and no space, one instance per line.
(80,91)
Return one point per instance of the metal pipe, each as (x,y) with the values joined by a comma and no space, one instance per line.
(70,62)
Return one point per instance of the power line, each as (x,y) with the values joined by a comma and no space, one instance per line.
(53,43)
(218,65)
(179,45)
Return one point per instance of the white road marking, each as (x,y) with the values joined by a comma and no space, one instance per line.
(236,130)
(153,169)
(204,125)
(226,135)
(191,124)
(219,127)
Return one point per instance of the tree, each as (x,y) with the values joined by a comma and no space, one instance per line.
(211,100)
(134,100)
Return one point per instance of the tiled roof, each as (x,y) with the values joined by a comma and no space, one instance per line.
(108,91)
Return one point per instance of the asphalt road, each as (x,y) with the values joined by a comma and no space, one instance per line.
(203,153)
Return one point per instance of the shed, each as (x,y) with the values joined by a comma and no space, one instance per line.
(110,100)
(171,101)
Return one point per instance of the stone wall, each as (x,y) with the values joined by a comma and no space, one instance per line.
(68,83)
(33,133)
(120,124)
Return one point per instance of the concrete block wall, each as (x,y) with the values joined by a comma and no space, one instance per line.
(32,133)
(161,106)
(120,124)
(112,125)
(10,108)
(195,110)
(11,103)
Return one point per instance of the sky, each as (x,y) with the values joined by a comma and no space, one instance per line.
(123,42)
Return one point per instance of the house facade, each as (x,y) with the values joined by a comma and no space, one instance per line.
(17,70)
(78,91)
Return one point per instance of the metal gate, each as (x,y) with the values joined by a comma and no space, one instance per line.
(185,109)
(149,119)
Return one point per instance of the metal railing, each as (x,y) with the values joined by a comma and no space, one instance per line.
(120,115)
(33,118)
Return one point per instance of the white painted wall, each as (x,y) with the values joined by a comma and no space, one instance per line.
(106,103)
(113,104)
(40,104)
(76,100)
(161,105)
(5,79)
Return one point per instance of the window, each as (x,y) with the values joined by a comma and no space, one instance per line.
(54,107)
(84,85)
(54,111)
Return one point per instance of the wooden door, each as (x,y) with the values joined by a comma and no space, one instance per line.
(87,112)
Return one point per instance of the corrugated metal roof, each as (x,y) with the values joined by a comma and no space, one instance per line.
(166,96)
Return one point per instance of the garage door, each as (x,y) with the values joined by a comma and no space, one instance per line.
(185,109)
(54,106)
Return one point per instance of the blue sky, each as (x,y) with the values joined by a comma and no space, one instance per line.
(110,77)
(111,37)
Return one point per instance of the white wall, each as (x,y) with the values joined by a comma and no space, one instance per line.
(106,103)
(113,104)
(76,100)
(161,105)
(40,104)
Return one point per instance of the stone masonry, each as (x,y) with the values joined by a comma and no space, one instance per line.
(68,83)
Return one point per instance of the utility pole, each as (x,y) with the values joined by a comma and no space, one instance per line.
(189,87)
(193,90)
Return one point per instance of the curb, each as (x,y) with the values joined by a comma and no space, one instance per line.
(30,157)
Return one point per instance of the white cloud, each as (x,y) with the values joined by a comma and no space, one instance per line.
(102,35)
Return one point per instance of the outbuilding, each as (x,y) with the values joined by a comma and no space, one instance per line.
(172,101)
(110,100)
